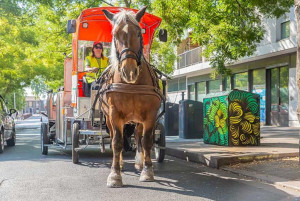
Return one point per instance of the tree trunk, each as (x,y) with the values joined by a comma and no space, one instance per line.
(127,3)
(297,15)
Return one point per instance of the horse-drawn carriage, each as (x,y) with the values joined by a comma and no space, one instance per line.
(78,121)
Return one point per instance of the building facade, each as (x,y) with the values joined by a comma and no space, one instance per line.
(34,105)
(270,72)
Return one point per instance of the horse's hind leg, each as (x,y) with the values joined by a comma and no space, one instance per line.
(147,174)
(115,179)
(139,157)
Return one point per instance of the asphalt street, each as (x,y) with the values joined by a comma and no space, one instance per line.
(26,175)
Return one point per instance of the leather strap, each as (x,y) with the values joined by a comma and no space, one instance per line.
(134,89)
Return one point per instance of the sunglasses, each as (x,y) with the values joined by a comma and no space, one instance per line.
(98,47)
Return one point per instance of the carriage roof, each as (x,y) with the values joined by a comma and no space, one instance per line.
(100,29)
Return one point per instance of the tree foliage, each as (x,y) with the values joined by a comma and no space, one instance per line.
(33,41)
(228,29)
(33,36)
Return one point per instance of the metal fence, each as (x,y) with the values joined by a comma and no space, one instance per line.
(189,58)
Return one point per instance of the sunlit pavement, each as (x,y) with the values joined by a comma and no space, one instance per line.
(25,174)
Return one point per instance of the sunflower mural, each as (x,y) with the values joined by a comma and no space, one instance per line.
(232,119)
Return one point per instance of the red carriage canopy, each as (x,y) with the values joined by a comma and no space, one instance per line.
(94,26)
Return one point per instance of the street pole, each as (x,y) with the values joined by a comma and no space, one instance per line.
(14,100)
(297,15)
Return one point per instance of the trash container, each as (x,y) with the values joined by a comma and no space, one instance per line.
(232,119)
(171,119)
(190,119)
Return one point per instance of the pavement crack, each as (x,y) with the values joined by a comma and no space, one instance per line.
(1,182)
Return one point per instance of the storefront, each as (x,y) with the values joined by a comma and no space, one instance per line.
(274,79)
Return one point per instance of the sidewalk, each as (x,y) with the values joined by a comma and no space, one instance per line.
(276,143)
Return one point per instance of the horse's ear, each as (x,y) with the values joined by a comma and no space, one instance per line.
(140,14)
(108,15)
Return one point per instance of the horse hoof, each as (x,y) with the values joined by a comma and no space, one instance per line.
(114,180)
(147,175)
(138,167)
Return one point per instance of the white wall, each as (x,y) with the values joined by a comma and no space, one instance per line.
(293,98)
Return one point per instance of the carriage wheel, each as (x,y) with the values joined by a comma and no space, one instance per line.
(160,143)
(75,142)
(1,142)
(44,138)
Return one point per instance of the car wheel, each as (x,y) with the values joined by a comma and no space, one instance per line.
(1,142)
(160,144)
(12,140)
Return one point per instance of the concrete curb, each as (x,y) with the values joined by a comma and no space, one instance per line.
(266,178)
(219,160)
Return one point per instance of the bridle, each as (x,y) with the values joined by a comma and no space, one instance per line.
(121,56)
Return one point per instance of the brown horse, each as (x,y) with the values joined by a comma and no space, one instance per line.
(131,94)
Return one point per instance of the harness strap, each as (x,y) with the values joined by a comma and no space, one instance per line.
(135,89)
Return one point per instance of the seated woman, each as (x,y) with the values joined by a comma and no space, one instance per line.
(94,66)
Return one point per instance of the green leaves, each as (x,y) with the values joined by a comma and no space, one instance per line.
(227,29)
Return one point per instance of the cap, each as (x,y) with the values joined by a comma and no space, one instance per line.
(96,43)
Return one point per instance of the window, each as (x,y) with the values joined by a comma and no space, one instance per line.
(214,86)
(227,83)
(259,87)
(285,30)
(191,92)
(240,81)
(177,84)
(201,91)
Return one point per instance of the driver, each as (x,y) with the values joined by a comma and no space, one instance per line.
(94,66)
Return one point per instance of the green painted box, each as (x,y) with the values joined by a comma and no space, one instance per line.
(231,118)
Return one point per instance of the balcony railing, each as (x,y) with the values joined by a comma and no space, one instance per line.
(189,58)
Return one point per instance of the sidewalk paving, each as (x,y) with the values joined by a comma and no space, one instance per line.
(283,172)
(279,146)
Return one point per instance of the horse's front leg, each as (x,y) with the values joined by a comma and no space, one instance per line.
(115,179)
(139,157)
(147,173)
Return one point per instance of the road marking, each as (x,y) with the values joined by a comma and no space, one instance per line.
(27,134)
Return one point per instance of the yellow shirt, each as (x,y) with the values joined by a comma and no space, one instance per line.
(93,62)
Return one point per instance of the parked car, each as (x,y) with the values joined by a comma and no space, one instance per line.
(7,126)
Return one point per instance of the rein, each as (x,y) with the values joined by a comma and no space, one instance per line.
(129,88)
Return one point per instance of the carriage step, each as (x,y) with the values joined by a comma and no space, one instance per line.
(94,132)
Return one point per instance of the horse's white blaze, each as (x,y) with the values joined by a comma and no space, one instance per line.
(122,16)
(125,29)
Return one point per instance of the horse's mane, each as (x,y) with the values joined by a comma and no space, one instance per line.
(122,16)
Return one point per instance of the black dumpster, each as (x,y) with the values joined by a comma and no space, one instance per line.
(171,119)
(190,119)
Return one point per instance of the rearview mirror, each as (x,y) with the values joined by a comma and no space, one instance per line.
(163,35)
(71,27)
(12,111)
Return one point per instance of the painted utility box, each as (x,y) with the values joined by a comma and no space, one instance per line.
(232,119)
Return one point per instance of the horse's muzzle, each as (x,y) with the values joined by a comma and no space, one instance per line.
(130,75)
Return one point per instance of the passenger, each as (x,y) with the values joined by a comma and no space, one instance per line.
(94,66)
